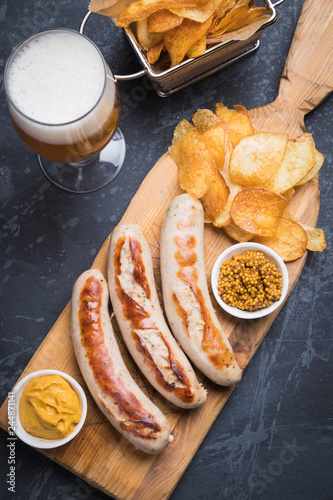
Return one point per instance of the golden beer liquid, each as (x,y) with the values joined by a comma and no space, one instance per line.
(76,151)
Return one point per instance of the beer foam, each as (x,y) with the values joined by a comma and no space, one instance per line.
(56,78)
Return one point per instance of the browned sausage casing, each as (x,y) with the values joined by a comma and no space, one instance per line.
(186,298)
(116,394)
(140,318)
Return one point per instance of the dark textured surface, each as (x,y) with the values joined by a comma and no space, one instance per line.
(273,439)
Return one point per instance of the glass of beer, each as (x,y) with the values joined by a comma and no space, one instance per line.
(64,103)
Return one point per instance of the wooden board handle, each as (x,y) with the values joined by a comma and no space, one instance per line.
(307,77)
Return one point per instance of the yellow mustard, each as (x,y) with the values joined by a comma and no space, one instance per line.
(49,407)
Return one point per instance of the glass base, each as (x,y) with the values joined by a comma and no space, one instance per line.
(89,175)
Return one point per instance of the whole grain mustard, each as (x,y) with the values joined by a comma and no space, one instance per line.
(249,282)
(49,407)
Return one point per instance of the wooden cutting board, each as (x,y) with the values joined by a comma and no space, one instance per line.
(99,455)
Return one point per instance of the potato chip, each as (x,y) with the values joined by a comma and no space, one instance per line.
(314,170)
(244,2)
(224,22)
(228,7)
(203,119)
(237,234)
(257,157)
(215,135)
(215,199)
(108,8)
(238,122)
(221,11)
(257,210)
(198,48)
(245,18)
(184,127)
(227,155)
(289,241)
(225,7)
(316,238)
(142,9)
(235,15)
(196,165)
(163,20)
(224,217)
(147,40)
(298,160)
(154,52)
(288,194)
(180,39)
(200,13)
(242,109)
(215,140)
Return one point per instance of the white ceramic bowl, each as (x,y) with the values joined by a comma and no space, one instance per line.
(38,442)
(270,255)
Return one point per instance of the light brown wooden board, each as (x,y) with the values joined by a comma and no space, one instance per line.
(99,455)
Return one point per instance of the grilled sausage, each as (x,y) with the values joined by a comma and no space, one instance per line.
(140,318)
(116,394)
(187,303)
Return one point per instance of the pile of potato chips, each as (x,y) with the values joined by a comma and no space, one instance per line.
(245,179)
(181,28)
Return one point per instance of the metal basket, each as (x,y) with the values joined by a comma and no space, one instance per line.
(215,58)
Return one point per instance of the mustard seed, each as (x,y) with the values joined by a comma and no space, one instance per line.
(249,281)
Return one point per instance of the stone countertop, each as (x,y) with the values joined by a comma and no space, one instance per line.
(273,439)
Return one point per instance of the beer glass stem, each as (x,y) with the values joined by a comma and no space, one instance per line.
(87,175)
(79,165)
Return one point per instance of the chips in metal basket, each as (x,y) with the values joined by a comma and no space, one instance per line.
(163,20)
(179,40)
(182,28)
